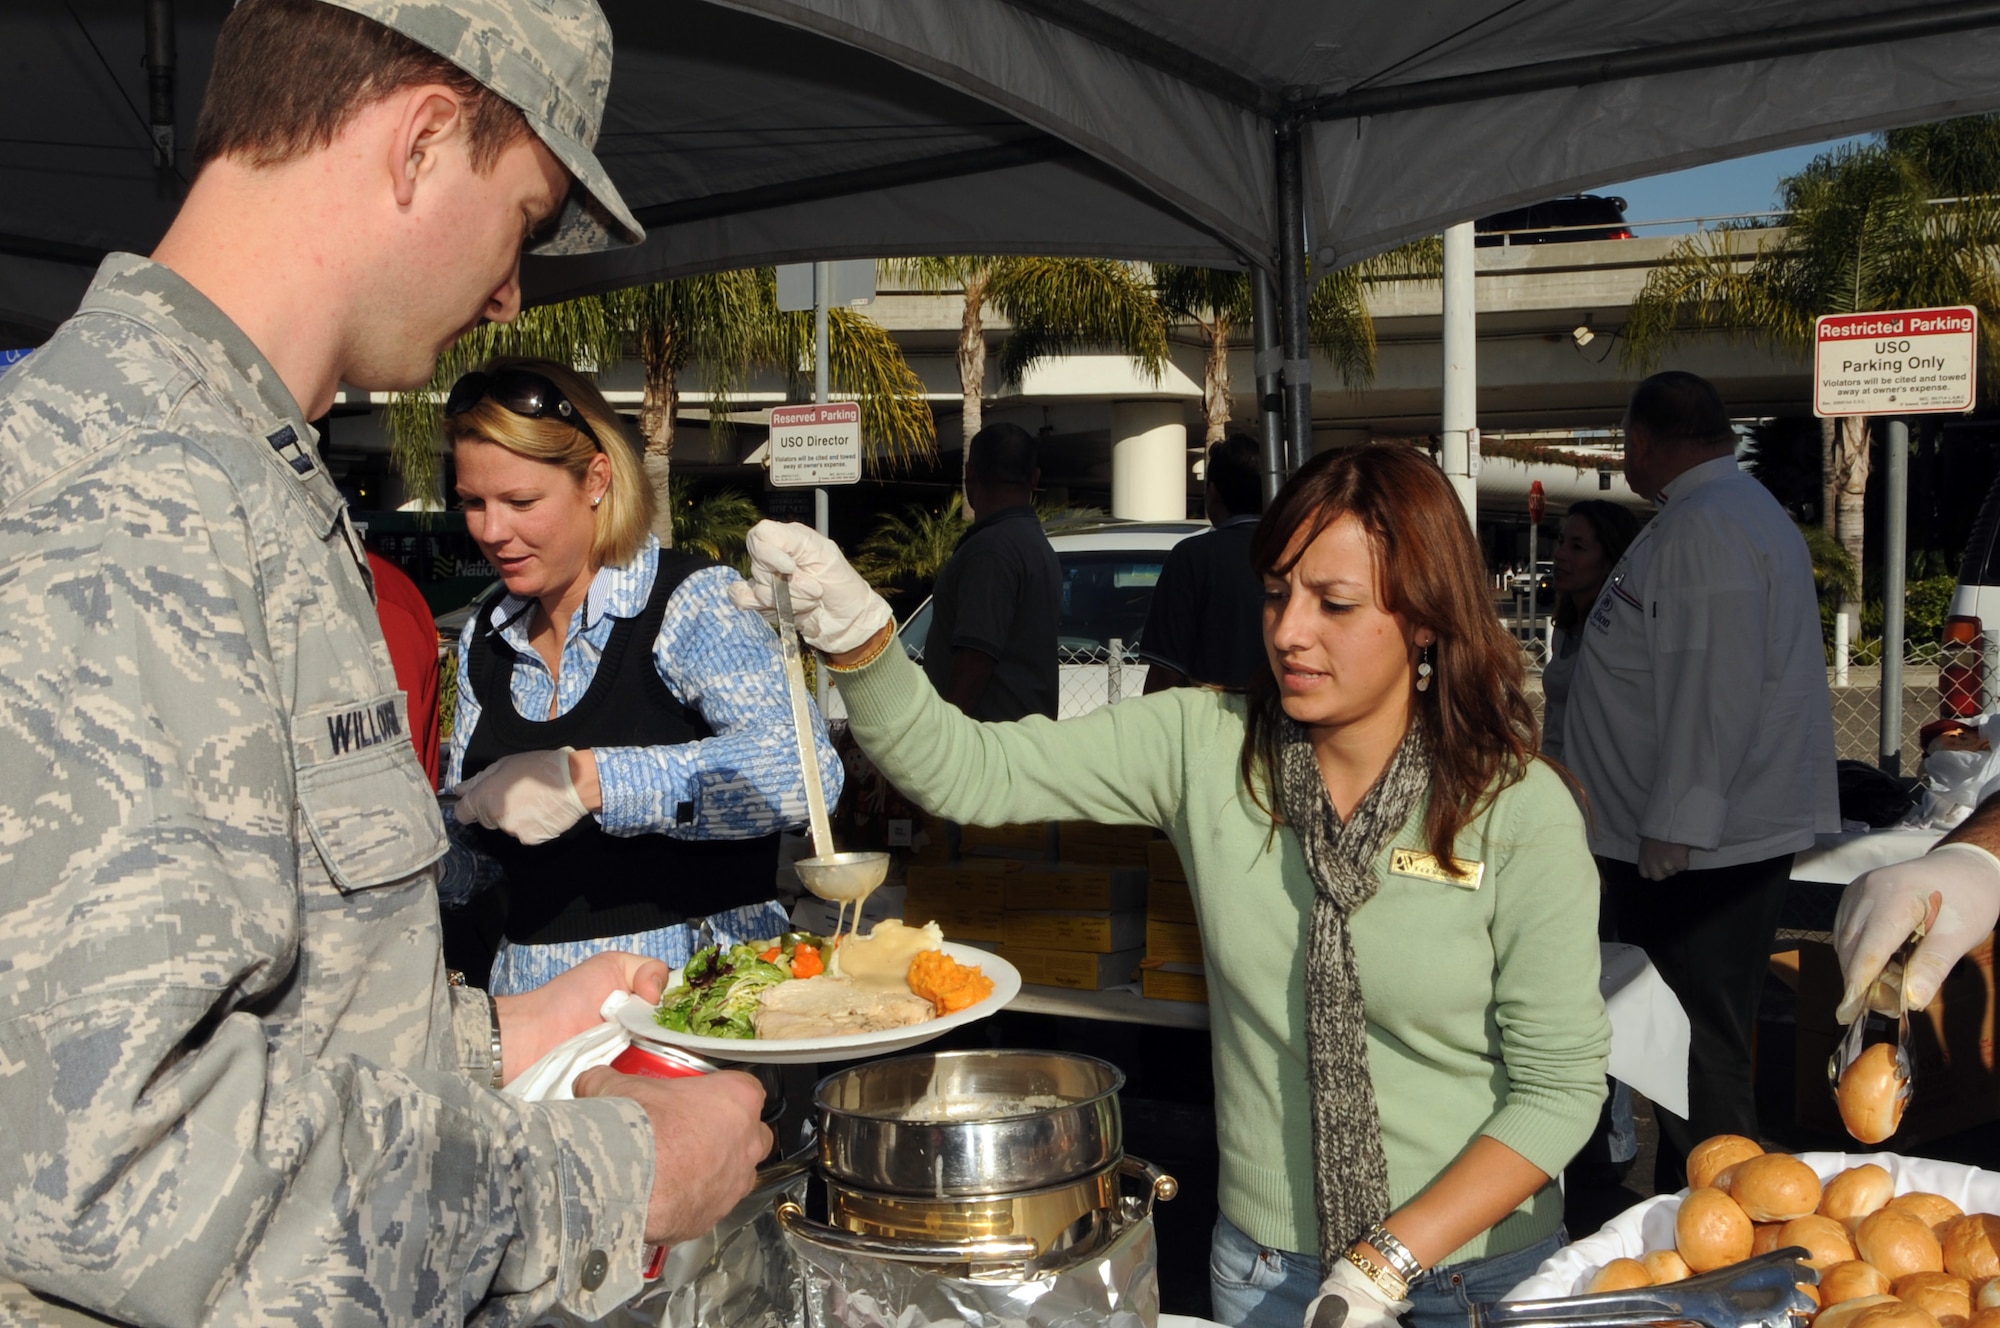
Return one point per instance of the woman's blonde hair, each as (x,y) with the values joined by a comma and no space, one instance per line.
(625,517)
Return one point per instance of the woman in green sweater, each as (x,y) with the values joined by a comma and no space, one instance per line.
(1397,905)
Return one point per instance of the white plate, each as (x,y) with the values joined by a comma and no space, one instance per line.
(637,1017)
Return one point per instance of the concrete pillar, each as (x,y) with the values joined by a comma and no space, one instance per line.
(1149,460)
(1461,371)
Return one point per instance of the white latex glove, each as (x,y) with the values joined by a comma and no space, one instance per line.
(1367,1307)
(835,609)
(528,795)
(1880,909)
(1659,859)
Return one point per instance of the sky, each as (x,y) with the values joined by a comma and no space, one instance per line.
(1747,184)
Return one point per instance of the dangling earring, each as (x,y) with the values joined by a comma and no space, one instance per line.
(1424,670)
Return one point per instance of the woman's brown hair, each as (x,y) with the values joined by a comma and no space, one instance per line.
(1476,714)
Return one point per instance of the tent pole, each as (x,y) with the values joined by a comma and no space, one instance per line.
(1896,506)
(1293,293)
(1270,360)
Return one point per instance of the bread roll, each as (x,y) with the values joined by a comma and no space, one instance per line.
(1856,1192)
(1707,1159)
(1940,1293)
(1851,1280)
(1620,1275)
(1898,1244)
(1809,1291)
(1894,1314)
(1711,1230)
(1972,1246)
(1870,1095)
(1774,1187)
(1665,1266)
(1985,1292)
(1933,1209)
(1764,1238)
(1825,1241)
(1984,1319)
(1844,1313)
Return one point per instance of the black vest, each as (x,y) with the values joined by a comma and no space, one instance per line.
(586,884)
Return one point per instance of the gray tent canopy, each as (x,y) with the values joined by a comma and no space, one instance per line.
(752,131)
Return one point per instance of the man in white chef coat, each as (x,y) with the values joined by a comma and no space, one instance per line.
(1700,728)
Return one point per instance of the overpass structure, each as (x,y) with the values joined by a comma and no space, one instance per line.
(1552,388)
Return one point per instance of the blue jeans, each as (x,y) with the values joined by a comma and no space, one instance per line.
(1255,1287)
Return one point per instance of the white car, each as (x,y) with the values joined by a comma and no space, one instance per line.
(1108,575)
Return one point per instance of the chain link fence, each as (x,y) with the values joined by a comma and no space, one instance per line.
(1930,671)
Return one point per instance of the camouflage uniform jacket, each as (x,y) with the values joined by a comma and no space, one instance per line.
(236,1087)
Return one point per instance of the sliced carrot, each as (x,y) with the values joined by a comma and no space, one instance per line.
(806,962)
(773,955)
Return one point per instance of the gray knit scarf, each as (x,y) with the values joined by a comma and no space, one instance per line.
(1350,1173)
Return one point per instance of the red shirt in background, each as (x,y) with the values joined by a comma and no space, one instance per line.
(411,632)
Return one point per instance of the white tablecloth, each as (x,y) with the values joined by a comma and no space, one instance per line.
(1649,1030)
(1838,859)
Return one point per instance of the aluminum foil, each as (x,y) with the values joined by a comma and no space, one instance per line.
(739,1275)
(1118,1287)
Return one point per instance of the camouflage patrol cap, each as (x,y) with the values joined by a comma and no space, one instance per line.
(552,60)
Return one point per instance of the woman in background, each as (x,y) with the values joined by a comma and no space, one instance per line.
(1595,535)
(623,732)
(1396,901)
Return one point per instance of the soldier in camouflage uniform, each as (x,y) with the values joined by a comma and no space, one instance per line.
(236,1086)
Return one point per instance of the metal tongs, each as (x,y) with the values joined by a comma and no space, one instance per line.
(1885,1005)
(1762,1291)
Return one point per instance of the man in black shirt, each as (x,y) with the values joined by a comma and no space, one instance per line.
(992,645)
(1205,625)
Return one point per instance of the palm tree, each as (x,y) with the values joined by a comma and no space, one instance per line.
(1217,302)
(583,332)
(1911,220)
(1056,305)
(716,322)
(724,325)
(908,551)
(714,524)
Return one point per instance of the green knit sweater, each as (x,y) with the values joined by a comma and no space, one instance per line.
(1483,1009)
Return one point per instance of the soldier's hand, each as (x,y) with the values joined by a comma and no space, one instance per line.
(536,1021)
(707,1140)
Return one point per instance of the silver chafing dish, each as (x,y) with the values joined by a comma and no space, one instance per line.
(977,1187)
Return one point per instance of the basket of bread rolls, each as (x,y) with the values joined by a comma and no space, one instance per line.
(1898,1242)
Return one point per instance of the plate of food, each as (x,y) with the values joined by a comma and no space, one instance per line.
(797,1000)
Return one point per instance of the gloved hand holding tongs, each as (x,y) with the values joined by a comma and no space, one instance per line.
(1949,898)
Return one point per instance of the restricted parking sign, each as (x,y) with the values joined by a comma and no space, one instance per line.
(814,446)
(1896,362)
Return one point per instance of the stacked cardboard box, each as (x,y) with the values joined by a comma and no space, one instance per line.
(1033,842)
(1088,844)
(1173,969)
(965,899)
(1074,925)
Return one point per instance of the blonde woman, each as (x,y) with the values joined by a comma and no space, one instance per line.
(623,736)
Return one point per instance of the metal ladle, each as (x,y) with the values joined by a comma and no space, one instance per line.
(839,878)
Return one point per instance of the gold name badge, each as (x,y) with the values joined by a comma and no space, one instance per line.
(1426,867)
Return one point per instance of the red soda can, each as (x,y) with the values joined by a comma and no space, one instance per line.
(659,1063)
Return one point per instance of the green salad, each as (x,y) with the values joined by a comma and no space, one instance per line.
(718,992)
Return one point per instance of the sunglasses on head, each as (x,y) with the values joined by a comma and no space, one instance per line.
(522,391)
